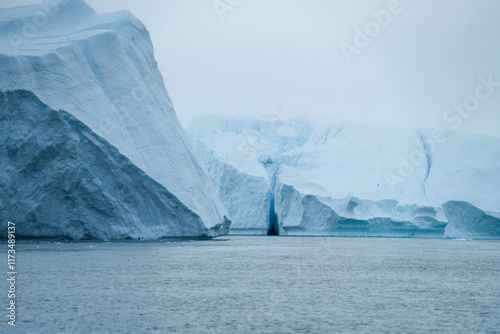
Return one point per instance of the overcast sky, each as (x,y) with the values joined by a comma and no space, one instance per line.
(303,55)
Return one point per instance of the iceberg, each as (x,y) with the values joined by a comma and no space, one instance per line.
(249,213)
(100,69)
(242,156)
(348,179)
(61,179)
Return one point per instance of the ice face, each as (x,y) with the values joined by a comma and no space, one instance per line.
(242,156)
(470,221)
(242,172)
(100,68)
(59,178)
(329,178)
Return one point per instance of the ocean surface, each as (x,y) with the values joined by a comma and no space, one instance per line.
(256,285)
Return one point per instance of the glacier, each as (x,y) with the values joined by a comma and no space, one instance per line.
(330,178)
(100,69)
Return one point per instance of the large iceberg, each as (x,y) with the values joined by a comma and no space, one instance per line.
(346,179)
(100,69)
(61,179)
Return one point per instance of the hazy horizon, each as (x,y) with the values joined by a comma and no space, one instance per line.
(308,57)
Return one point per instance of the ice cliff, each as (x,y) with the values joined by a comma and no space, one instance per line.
(100,69)
(242,156)
(61,179)
(347,179)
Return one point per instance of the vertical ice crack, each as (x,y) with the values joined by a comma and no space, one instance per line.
(273,217)
(427,150)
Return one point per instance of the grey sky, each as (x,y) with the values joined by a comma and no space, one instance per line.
(269,54)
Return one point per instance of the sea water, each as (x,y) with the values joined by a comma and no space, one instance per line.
(256,285)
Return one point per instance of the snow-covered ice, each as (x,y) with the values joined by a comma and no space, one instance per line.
(100,68)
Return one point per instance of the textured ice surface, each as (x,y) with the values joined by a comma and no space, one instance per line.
(352,179)
(249,213)
(59,178)
(100,68)
(242,156)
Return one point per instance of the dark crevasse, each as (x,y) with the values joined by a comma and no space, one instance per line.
(273,219)
(273,170)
